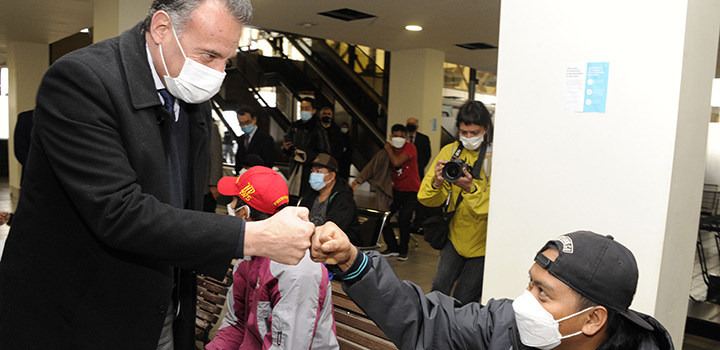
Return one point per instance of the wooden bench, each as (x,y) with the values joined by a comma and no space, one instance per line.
(355,330)
(211,295)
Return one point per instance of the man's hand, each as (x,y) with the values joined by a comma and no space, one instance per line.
(331,246)
(287,145)
(354,185)
(214,191)
(284,237)
(466,181)
(389,147)
(439,179)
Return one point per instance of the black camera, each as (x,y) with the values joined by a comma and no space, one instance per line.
(453,170)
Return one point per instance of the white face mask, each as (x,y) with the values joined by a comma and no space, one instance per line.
(472,143)
(538,328)
(196,82)
(397,142)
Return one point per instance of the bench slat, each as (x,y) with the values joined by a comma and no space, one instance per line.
(363,338)
(359,323)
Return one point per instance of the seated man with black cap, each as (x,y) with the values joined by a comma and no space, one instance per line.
(581,287)
(330,197)
(272,304)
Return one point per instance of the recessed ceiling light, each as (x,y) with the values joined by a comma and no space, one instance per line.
(307,25)
(413,28)
(85,30)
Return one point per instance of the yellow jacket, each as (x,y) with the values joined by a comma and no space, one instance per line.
(468,228)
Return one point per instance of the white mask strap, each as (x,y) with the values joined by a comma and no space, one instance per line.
(180,46)
(573,315)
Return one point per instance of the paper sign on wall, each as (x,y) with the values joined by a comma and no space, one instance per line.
(586,87)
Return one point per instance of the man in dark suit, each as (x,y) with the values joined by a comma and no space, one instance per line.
(253,140)
(119,165)
(421,142)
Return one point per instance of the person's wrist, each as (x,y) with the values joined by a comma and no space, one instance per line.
(350,261)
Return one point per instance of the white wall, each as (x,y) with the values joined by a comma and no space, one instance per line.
(616,172)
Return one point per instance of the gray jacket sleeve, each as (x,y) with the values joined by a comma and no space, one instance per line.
(413,320)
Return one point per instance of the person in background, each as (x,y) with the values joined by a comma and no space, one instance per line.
(330,198)
(578,298)
(272,305)
(346,159)
(253,140)
(334,135)
(229,146)
(402,158)
(303,142)
(120,151)
(462,259)
(422,144)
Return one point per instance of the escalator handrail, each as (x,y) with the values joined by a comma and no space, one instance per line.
(354,76)
(286,119)
(380,139)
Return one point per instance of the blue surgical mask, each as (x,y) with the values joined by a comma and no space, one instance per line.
(305,116)
(317,181)
(248,129)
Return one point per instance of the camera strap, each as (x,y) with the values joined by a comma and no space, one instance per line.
(476,174)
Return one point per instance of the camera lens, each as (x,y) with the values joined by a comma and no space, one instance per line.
(452,171)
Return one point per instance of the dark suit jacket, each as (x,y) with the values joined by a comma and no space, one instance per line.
(91,257)
(422,143)
(261,144)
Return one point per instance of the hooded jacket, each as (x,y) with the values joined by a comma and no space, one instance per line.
(413,320)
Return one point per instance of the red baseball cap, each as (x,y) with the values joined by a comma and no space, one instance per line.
(259,187)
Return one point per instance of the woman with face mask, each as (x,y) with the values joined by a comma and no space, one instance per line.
(462,259)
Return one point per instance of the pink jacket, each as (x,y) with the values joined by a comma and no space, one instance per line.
(276,306)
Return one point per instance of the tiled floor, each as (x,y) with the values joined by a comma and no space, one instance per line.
(420,267)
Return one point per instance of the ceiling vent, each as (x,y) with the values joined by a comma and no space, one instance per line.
(346,14)
(476,46)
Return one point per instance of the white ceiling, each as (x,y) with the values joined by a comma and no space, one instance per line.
(445,23)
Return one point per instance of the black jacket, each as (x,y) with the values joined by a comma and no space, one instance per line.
(341,209)
(261,144)
(335,140)
(95,249)
(310,138)
(413,320)
(422,144)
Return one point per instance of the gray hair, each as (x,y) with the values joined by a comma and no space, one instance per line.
(181,10)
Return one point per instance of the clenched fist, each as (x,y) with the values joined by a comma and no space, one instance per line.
(284,237)
(331,246)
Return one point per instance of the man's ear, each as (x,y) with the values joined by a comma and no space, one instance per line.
(596,321)
(160,26)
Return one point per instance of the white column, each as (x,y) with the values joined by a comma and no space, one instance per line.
(27,63)
(112,17)
(634,171)
(416,81)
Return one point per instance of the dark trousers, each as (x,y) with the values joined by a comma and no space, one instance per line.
(467,272)
(403,204)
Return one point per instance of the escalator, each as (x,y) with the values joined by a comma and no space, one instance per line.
(289,79)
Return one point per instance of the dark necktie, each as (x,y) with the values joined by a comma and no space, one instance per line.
(412,139)
(247,141)
(169,103)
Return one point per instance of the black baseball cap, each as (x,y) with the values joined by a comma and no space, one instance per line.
(597,267)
